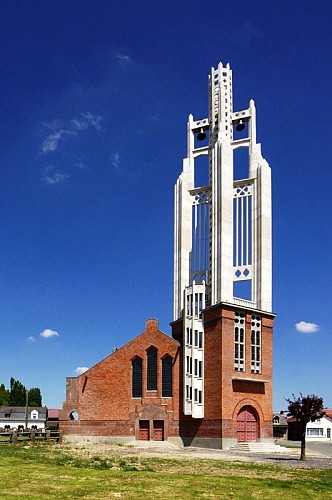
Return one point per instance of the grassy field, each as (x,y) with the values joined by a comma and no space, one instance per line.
(53,471)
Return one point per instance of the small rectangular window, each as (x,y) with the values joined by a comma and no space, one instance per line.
(200,340)
(256,327)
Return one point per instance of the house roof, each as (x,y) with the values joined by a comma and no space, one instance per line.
(282,418)
(18,412)
(328,413)
(53,413)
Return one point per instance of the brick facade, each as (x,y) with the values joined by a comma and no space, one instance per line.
(102,396)
(227,391)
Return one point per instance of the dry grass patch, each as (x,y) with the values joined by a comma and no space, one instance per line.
(53,471)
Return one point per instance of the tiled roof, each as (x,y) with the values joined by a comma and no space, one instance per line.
(18,412)
(53,413)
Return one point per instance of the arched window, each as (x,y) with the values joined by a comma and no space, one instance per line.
(152,369)
(167,377)
(136,386)
(74,415)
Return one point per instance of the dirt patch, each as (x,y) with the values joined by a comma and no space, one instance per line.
(169,452)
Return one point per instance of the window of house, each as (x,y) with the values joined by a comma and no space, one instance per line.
(239,341)
(315,432)
(256,323)
(189,335)
(197,396)
(188,392)
(167,377)
(189,365)
(198,368)
(136,385)
(152,369)
(198,339)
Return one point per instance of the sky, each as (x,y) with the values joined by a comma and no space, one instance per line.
(94,100)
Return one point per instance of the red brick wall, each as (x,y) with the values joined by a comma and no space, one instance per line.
(223,396)
(102,395)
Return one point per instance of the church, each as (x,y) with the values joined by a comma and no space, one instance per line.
(210,383)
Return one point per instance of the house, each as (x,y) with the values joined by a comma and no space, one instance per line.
(21,417)
(321,429)
(52,418)
(280,425)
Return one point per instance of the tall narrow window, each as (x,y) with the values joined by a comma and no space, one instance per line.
(167,377)
(239,342)
(256,326)
(136,386)
(152,369)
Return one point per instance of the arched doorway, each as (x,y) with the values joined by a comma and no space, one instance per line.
(247,424)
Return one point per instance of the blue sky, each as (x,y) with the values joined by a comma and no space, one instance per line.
(94,102)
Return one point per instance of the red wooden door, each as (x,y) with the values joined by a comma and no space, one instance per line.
(144,430)
(158,430)
(247,425)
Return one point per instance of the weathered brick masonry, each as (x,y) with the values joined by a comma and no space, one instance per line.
(102,396)
(228,391)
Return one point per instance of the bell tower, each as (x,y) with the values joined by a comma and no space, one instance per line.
(222,251)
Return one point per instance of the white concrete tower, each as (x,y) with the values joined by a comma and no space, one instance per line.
(222,239)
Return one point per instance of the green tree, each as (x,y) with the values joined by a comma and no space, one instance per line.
(35,397)
(17,395)
(305,409)
(4,395)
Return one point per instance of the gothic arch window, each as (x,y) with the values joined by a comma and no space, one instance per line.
(167,377)
(152,369)
(136,385)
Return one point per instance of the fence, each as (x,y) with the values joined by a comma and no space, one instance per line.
(30,435)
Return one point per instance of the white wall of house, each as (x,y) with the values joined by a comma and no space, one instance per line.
(34,419)
(320,430)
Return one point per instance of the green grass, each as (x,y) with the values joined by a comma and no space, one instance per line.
(49,471)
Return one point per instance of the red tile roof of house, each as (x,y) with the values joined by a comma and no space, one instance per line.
(53,413)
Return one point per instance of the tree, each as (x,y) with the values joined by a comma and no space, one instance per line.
(305,409)
(4,395)
(17,393)
(35,398)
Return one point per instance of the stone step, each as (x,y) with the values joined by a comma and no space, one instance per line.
(256,447)
(140,443)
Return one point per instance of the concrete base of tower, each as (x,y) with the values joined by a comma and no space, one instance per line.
(201,442)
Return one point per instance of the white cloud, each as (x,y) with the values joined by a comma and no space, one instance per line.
(80,369)
(52,141)
(54,176)
(124,58)
(32,339)
(305,327)
(86,120)
(48,333)
(115,160)
(59,132)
